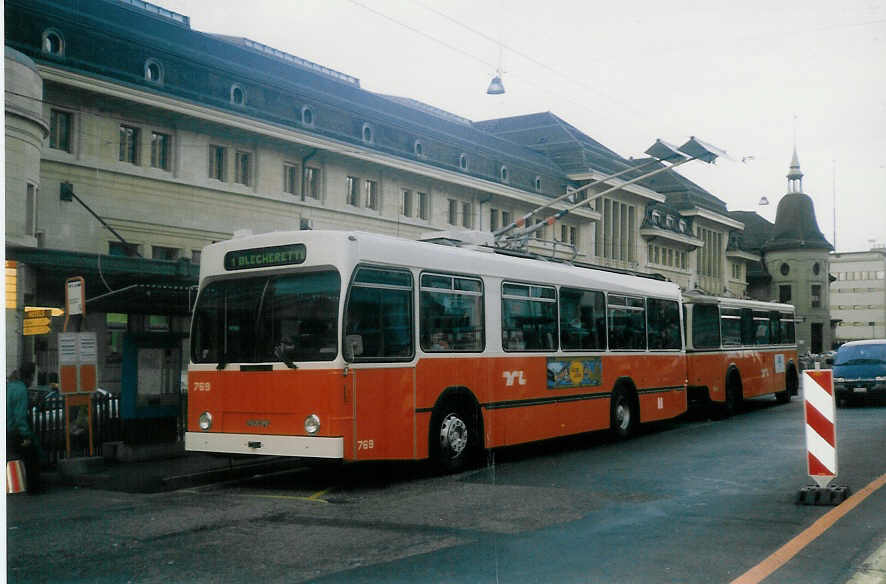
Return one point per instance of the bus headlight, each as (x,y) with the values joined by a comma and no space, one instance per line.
(205,421)
(312,424)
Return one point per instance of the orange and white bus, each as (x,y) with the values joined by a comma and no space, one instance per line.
(358,346)
(737,349)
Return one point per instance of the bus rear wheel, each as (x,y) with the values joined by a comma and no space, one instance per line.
(455,438)
(623,414)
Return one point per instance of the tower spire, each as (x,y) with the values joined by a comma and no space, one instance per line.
(795,175)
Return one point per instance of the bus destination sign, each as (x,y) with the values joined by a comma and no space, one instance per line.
(265,257)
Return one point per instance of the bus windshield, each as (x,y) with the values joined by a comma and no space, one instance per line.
(285,318)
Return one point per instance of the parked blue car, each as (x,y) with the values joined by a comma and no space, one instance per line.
(860,371)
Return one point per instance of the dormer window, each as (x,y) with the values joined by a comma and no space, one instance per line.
(682,226)
(463,161)
(538,184)
(418,148)
(153,71)
(307,116)
(656,218)
(368,134)
(53,43)
(669,222)
(238,94)
(503,173)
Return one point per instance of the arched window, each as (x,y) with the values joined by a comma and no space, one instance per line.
(238,94)
(418,148)
(538,183)
(463,161)
(53,42)
(503,173)
(307,115)
(153,71)
(368,134)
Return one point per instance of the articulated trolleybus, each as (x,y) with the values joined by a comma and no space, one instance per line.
(357,346)
(738,349)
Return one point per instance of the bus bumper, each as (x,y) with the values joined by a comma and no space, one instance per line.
(307,446)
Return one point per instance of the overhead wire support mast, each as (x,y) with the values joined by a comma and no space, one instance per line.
(693,149)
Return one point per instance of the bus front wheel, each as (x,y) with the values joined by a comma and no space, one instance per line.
(455,437)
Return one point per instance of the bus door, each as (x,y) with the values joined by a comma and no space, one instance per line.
(379,344)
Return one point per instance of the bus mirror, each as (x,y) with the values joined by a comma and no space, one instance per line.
(353,346)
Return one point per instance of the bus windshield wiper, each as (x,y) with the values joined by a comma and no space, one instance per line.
(280,353)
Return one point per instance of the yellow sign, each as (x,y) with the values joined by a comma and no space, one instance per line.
(36,326)
(11,283)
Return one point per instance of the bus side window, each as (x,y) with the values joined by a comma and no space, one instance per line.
(582,320)
(627,323)
(379,311)
(664,324)
(528,317)
(775,328)
(451,314)
(761,328)
(747,327)
(705,326)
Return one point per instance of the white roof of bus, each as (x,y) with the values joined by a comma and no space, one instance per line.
(691,298)
(383,249)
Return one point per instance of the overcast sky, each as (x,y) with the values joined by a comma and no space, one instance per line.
(744,76)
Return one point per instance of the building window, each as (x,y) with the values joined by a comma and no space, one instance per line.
(238,95)
(424,206)
(453,212)
(60,126)
(493,220)
(153,71)
(164,253)
(463,162)
(569,234)
(816,296)
(418,148)
(242,168)
(352,193)
(505,218)
(503,173)
(784,293)
(312,183)
(53,43)
(784,269)
(467,216)
(816,268)
(160,150)
(290,178)
(538,183)
(129,144)
(406,210)
(31,209)
(367,133)
(118,248)
(370,194)
(217,157)
(307,116)
(196,254)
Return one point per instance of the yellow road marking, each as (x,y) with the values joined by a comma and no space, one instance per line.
(783,554)
(315,498)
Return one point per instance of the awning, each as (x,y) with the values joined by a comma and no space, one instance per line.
(172,299)
(113,283)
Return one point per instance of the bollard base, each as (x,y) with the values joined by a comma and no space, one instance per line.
(828,496)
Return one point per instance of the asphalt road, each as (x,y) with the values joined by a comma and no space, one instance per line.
(686,501)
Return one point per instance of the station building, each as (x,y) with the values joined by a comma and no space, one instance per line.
(134,140)
(858,294)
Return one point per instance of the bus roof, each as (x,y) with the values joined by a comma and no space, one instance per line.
(692,298)
(345,249)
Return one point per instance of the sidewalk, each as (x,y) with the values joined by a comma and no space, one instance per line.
(186,469)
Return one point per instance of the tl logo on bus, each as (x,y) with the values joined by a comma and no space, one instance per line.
(513,376)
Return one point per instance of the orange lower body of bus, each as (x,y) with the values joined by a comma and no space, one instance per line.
(750,373)
(384,412)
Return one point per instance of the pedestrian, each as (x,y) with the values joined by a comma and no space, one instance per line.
(20,439)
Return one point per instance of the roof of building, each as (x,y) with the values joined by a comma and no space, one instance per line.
(796,226)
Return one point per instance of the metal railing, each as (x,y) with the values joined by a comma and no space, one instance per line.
(48,423)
